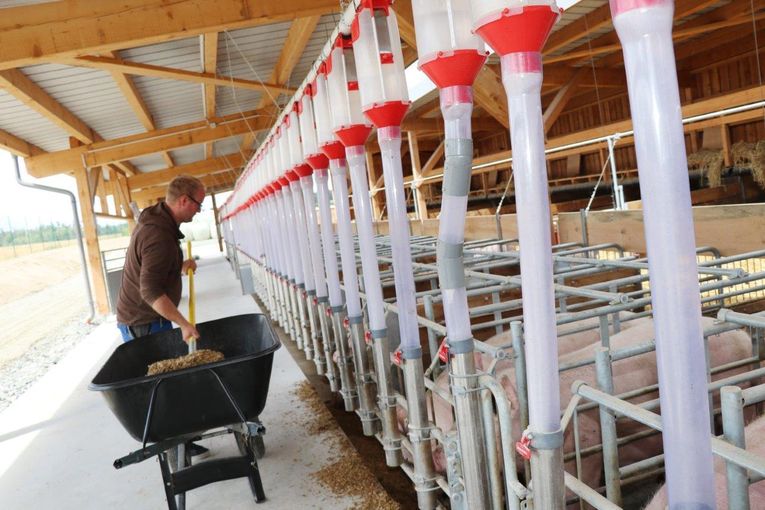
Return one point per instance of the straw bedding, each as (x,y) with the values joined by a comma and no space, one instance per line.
(200,357)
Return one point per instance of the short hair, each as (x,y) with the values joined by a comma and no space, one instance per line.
(183,185)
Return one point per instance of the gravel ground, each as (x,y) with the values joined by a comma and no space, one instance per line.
(19,374)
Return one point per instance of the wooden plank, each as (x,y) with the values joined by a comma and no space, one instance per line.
(196,169)
(561,99)
(123,66)
(17,146)
(136,102)
(92,248)
(732,229)
(153,141)
(214,183)
(45,32)
(28,92)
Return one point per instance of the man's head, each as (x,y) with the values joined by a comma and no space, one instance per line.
(184,197)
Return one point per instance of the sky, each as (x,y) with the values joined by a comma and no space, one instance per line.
(20,206)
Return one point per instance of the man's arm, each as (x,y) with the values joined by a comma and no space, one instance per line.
(163,306)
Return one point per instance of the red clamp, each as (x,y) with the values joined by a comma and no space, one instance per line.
(523,447)
(443,351)
(395,357)
(346,323)
(316,301)
(368,337)
(329,312)
(305,295)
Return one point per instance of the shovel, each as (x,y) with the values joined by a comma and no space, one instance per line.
(192,309)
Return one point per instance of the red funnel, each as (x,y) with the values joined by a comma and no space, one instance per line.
(523,30)
(454,68)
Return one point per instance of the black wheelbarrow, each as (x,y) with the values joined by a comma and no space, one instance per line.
(167,411)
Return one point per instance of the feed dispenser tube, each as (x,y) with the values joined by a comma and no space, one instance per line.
(335,152)
(276,263)
(316,160)
(352,129)
(451,56)
(286,216)
(645,31)
(517,30)
(301,169)
(384,102)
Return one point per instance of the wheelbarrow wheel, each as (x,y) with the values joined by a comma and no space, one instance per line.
(256,444)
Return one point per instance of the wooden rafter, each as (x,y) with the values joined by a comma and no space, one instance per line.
(123,66)
(136,102)
(17,146)
(50,31)
(210,60)
(609,43)
(297,38)
(34,97)
(565,93)
(196,169)
(579,29)
(214,183)
(120,149)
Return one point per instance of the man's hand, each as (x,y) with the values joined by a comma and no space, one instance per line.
(188,332)
(188,264)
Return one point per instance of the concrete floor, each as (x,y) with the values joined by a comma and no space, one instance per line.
(58,441)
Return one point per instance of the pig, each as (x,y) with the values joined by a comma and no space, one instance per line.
(755,443)
(628,374)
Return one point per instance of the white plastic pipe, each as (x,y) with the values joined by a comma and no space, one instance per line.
(522,78)
(645,30)
(314,241)
(328,239)
(345,236)
(390,147)
(369,263)
(285,206)
(302,235)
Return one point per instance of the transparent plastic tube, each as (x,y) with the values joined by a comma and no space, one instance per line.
(522,78)
(645,30)
(328,239)
(293,258)
(457,107)
(345,235)
(302,236)
(390,147)
(362,209)
(314,241)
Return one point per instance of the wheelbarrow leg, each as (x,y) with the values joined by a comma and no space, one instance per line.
(167,481)
(256,485)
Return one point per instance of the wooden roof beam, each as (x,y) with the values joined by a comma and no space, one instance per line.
(298,35)
(136,102)
(196,169)
(213,183)
(579,29)
(47,32)
(121,149)
(564,95)
(17,146)
(123,66)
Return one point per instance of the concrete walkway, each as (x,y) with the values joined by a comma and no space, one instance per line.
(58,441)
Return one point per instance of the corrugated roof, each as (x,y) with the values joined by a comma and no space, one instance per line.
(27,124)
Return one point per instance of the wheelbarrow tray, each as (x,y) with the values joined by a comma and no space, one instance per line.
(191,400)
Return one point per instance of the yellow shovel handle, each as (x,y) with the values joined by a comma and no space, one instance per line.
(192,307)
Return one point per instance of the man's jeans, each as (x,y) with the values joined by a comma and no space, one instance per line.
(132,332)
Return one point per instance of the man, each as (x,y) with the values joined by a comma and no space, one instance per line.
(151,282)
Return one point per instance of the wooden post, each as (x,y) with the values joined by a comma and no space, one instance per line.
(217,223)
(414,153)
(92,247)
(727,156)
(124,191)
